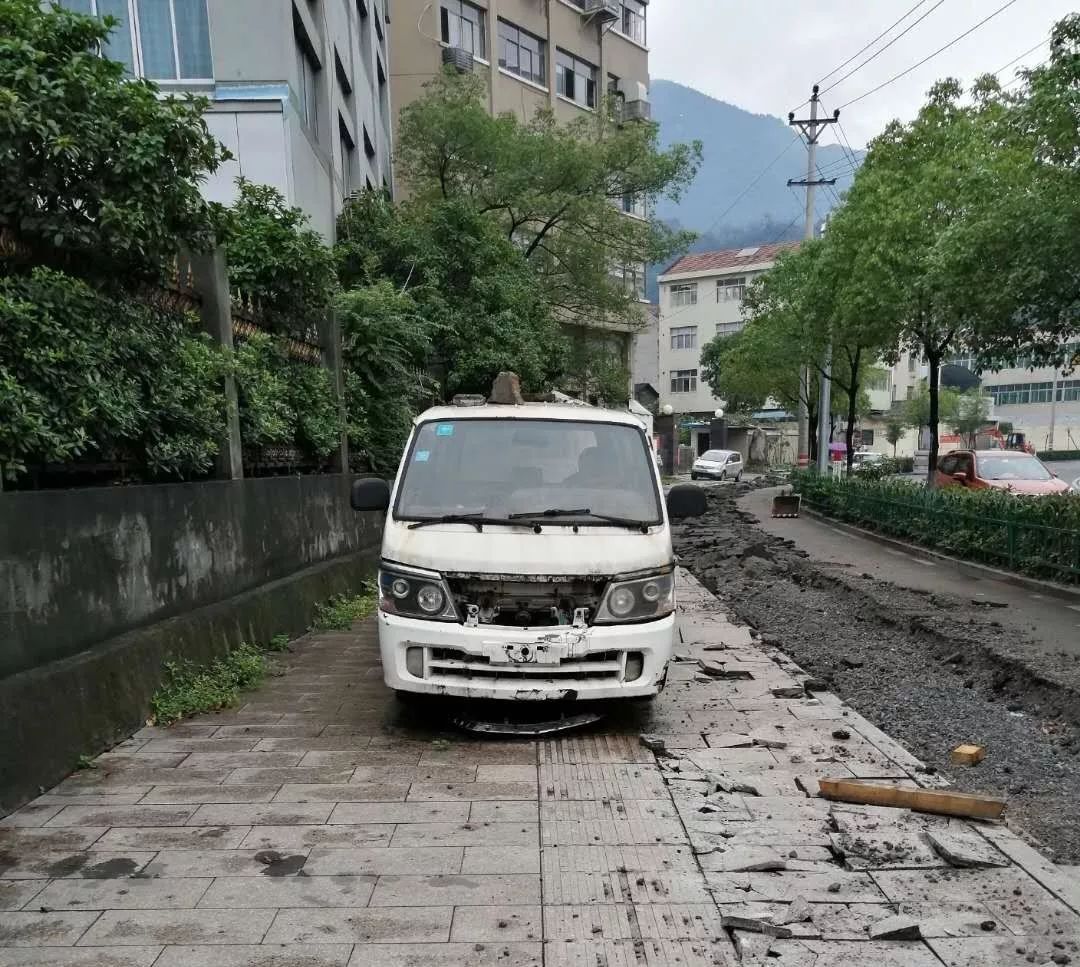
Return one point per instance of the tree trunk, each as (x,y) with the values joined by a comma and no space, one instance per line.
(812,417)
(934,360)
(853,399)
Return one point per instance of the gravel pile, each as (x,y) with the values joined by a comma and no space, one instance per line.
(931,670)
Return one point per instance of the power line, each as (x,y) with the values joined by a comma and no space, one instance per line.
(952,42)
(1030,50)
(869,45)
(1020,77)
(878,53)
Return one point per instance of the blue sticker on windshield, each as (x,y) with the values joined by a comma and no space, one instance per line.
(422,456)
(444,429)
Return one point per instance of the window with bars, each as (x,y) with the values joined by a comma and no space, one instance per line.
(684,337)
(163,40)
(683,380)
(522,53)
(463,25)
(575,79)
(684,294)
(732,289)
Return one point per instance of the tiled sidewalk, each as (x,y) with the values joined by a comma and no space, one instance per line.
(312,828)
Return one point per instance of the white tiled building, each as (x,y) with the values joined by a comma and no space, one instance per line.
(701,296)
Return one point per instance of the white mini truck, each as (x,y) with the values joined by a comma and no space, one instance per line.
(527,555)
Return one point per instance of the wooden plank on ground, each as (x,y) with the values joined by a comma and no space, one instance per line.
(940,801)
(968,755)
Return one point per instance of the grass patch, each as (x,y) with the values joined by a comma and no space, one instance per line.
(343,610)
(278,643)
(189,688)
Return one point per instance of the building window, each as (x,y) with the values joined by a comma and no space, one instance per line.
(463,26)
(174,36)
(684,294)
(878,379)
(575,79)
(348,157)
(369,145)
(1011,394)
(684,337)
(522,53)
(732,289)
(729,328)
(632,20)
(683,380)
(910,392)
(1069,391)
(911,363)
(307,76)
(379,24)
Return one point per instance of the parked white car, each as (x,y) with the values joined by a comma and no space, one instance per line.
(718,465)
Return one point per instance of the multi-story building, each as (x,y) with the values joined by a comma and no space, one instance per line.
(299,89)
(559,54)
(701,296)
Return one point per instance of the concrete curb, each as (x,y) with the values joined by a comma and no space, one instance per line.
(967,567)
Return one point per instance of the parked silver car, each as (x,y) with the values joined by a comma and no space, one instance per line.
(718,465)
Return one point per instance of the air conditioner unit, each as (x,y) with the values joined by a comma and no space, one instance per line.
(637,111)
(459,58)
(604,9)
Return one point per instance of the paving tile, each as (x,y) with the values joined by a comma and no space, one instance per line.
(102,795)
(577,888)
(43,929)
(649,810)
(343,792)
(16,838)
(134,762)
(305,837)
(507,773)
(601,782)
(268,731)
(446,772)
(122,816)
(241,760)
(956,919)
(219,862)
(81,957)
(483,753)
(456,890)
(15,894)
(807,953)
(357,757)
(453,791)
(499,859)
(255,892)
(493,811)
(639,953)
(323,861)
(129,894)
(595,749)
(138,927)
(466,834)
(660,921)
(200,744)
(612,832)
(404,812)
(172,837)
(351,925)
(613,859)
(50,865)
(199,794)
(815,887)
(279,776)
(269,814)
(30,816)
(497,924)
(448,955)
(103,781)
(1004,951)
(181,730)
(283,955)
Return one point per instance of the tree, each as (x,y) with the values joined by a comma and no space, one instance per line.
(970,414)
(895,427)
(98,173)
(556,191)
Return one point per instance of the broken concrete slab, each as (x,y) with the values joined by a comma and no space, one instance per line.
(742,859)
(965,848)
(798,911)
(898,927)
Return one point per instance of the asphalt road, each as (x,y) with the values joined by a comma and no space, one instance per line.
(1067,470)
(1047,620)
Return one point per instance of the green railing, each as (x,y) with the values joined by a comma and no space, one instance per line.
(1039,536)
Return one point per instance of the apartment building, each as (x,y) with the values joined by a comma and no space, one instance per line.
(701,296)
(299,89)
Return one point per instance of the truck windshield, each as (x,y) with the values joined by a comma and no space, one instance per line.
(499,468)
(1012,466)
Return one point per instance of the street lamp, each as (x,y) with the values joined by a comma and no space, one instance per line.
(719,414)
(667,409)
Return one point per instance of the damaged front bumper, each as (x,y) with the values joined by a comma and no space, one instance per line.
(538,664)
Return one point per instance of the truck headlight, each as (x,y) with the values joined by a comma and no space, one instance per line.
(415,594)
(641,599)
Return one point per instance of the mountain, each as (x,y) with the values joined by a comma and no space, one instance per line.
(737,147)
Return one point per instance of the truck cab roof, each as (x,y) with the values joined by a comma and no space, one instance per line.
(529,411)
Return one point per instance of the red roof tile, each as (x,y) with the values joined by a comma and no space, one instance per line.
(729,258)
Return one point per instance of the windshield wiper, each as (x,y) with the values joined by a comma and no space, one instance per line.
(642,525)
(477,520)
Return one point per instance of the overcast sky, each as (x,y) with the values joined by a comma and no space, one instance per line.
(764,55)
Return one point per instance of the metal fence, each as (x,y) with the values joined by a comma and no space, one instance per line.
(962,524)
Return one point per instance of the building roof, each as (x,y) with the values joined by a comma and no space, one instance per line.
(729,258)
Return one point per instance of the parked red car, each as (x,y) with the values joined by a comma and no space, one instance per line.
(1011,470)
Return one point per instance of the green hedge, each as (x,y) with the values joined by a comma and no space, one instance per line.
(1039,536)
(1060,455)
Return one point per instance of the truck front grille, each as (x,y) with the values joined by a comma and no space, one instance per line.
(452,663)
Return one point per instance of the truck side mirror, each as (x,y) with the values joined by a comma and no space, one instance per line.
(960,477)
(370,493)
(685,500)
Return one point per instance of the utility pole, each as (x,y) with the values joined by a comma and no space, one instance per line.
(811,129)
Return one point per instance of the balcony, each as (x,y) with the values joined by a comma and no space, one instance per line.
(604,9)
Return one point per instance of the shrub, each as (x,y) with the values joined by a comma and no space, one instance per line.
(82,373)
(189,689)
(340,612)
(1036,535)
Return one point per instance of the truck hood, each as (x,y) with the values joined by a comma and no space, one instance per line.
(593,551)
